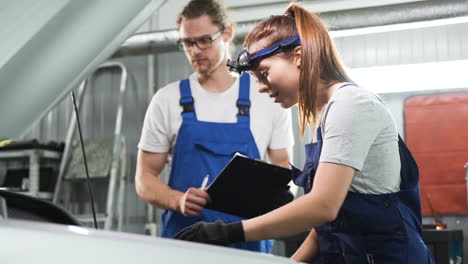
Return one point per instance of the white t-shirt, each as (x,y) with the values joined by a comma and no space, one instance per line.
(270,124)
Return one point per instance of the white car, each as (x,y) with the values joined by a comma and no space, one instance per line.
(34,242)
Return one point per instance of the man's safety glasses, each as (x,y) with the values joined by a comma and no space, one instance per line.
(202,42)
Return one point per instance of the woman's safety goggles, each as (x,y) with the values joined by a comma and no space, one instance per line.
(246,61)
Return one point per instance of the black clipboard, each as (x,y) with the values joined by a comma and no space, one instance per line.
(249,188)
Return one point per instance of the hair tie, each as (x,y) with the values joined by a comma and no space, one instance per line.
(289,15)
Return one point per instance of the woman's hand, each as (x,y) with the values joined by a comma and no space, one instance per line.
(217,233)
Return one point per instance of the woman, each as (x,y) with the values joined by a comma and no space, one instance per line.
(361,182)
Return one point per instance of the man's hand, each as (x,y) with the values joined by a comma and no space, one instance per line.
(193,201)
(217,233)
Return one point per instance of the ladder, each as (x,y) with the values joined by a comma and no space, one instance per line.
(107,160)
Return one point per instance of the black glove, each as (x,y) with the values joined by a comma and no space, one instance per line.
(217,233)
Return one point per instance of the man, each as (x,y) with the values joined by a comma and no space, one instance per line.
(202,122)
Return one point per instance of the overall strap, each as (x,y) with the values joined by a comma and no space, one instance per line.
(243,102)
(186,101)
(319,133)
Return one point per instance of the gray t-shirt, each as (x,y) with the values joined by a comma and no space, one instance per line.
(359,131)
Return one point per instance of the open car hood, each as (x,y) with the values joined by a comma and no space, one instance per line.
(27,242)
(48,47)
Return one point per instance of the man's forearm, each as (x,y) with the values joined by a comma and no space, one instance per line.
(283,163)
(158,193)
(279,157)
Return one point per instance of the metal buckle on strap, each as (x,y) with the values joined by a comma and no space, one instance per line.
(243,110)
(187,104)
(243,106)
(187,108)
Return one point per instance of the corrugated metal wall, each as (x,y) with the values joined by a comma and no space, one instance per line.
(422,45)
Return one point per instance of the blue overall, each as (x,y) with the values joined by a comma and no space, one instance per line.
(205,148)
(380,229)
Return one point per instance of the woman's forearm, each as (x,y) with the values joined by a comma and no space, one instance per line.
(298,216)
